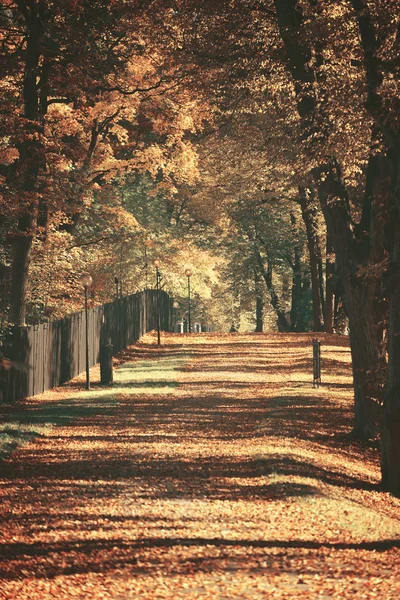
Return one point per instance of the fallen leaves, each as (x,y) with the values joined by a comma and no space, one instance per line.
(235,480)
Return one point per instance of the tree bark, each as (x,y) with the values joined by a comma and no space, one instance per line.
(297,291)
(359,292)
(308,211)
(29,163)
(259,303)
(20,252)
(329,294)
(281,321)
(386,122)
(259,314)
(390,460)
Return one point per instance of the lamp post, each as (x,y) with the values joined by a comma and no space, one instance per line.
(156,264)
(188,273)
(87,281)
(116,280)
(175,306)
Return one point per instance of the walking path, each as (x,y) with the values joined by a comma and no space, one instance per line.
(211,469)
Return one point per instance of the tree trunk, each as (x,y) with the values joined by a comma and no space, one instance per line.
(308,211)
(366,338)
(29,163)
(361,293)
(259,303)
(259,314)
(368,361)
(297,291)
(386,122)
(281,321)
(329,295)
(21,249)
(390,462)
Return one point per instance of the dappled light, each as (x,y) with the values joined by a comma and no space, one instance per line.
(211,468)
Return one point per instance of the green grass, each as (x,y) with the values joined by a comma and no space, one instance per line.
(15,434)
(149,377)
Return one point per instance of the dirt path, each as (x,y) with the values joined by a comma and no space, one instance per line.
(212,469)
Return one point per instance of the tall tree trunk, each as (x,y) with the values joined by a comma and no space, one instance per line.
(297,291)
(360,303)
(368,361)
(20,252)
(329,295)
(361,293)
(308,211)
(259,303)
(259,314)
(386,121)
(281,320)
(29,163)
(390,461)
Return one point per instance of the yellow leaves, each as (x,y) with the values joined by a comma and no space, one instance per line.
(150,159)
(120,133)
(63,119)
(183,163)
(141,68)
(8,155)
(178,495)
(120,218)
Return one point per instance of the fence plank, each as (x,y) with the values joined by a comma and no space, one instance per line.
(55,352)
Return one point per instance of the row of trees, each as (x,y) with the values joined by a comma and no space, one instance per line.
(333,69)
(260,136)
(88,94)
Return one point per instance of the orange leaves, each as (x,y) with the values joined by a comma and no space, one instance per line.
(208,471)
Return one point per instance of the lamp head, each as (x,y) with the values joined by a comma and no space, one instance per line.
(188,272)
(86,280)
(156,262)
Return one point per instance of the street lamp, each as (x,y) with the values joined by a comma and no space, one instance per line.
(156,264)
(87,281)
(175,306)
(188,273)
(116,280)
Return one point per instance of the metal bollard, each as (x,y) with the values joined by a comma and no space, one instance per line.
(317,362)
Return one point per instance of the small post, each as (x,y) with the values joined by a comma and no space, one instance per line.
(317,362)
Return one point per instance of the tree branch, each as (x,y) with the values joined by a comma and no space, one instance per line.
(115,238)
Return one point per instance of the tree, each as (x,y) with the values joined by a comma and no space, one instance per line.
(309,213)
(357,244)
(218,127)
(77,88)
(380,40)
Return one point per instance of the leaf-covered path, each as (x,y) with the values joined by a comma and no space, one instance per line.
(211,469)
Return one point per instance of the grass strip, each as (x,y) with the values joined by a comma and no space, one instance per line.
(37,419)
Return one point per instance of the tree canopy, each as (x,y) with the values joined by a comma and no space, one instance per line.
(256,142)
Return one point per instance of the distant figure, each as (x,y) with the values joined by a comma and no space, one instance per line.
(233,329)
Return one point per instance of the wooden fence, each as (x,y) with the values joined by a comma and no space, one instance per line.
(50,354)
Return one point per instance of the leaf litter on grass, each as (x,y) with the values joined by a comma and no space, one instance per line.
(211,469)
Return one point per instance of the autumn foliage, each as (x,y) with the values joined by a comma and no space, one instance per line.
(256,141)
(212,469)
